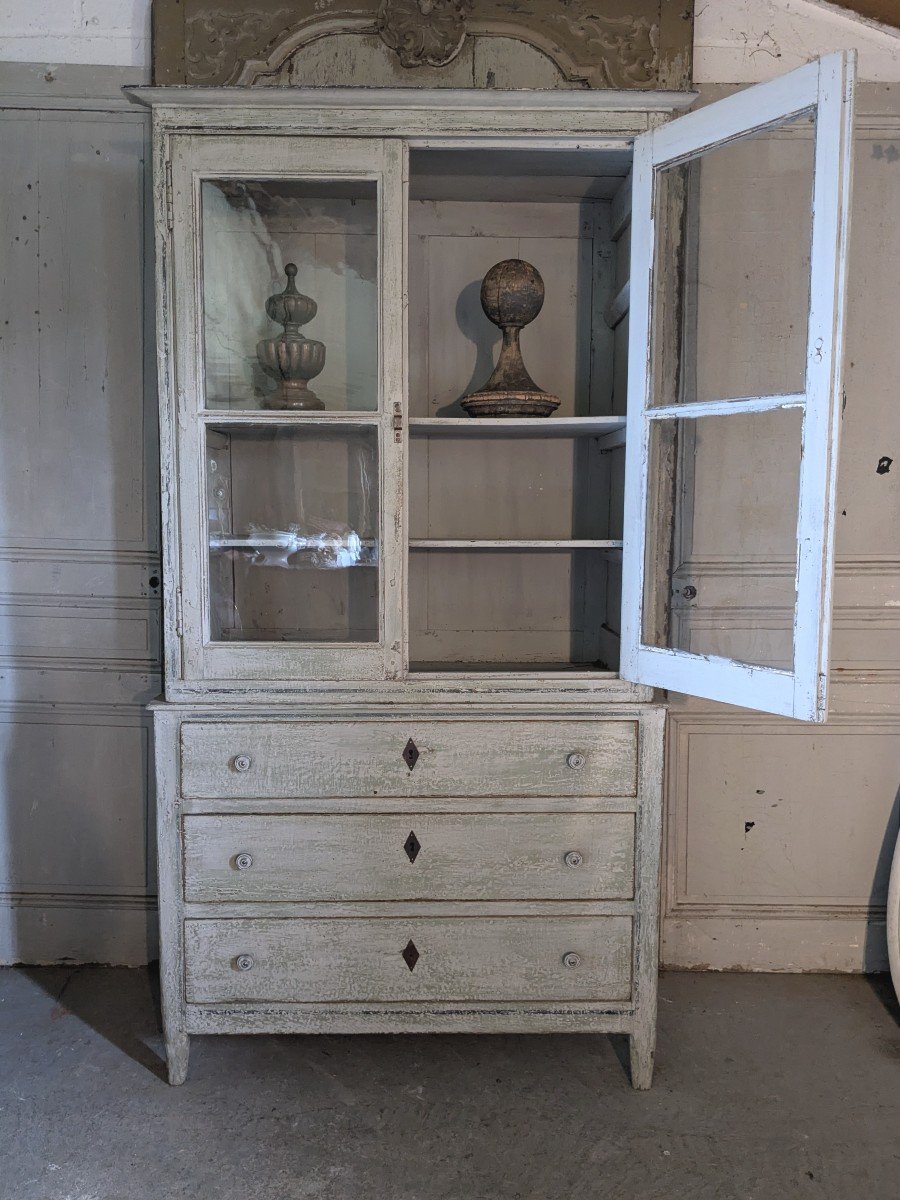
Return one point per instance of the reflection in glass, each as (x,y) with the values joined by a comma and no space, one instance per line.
(738,220)
(721,551)
(293,534)
(252,230)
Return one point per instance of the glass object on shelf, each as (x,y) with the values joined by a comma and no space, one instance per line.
(251,231)
(740,219)
(721,549)
(293,534)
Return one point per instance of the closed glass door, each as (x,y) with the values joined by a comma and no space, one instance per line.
(286,438)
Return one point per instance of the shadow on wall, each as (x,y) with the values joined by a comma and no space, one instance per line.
(875,951)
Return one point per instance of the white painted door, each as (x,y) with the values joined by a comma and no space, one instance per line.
(289,469)
(740,218)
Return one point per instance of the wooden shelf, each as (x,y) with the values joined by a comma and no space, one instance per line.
(280,416)
(513,544)
(544,427)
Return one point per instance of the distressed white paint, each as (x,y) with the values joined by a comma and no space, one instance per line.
(365,758)
(826,87)
(361,960)
(505,856)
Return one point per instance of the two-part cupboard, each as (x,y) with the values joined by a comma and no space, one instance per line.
(409,760)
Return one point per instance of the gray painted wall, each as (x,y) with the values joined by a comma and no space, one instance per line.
(79,536)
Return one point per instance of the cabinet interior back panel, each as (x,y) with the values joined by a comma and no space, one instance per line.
(512,608)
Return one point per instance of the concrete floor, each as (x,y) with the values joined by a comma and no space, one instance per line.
(767,1088)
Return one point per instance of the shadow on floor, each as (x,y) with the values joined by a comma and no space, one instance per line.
(130,1025)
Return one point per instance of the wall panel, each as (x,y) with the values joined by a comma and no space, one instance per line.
(79,537)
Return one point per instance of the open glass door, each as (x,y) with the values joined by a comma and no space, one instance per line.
(740,216)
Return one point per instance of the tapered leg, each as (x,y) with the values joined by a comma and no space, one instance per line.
(642,1045)
(177,1049)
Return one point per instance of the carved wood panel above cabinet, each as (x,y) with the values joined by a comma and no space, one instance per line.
(599,44)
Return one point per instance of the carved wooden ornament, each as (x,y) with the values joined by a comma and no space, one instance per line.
(599,44)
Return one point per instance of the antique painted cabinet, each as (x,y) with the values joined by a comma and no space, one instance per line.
(409,759)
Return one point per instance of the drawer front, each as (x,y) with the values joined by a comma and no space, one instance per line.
(420,959)
(509,856)
(442,758)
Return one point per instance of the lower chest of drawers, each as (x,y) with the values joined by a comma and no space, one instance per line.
(385,875)
(406,863)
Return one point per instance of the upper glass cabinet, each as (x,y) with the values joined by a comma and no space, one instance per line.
(452,404)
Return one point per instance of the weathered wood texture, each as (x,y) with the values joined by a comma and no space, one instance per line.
(633,44)
(79,535)
(455,959)
(417,856)
(365,758)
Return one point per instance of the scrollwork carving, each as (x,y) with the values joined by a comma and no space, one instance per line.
(424,32)
(217,43)
(591,42)
(626,48)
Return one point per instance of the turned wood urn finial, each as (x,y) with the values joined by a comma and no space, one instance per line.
(291,358)
(512,295)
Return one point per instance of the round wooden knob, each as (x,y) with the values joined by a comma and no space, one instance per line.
(242,762)
(244,962)
(243,861)
(571,959)
(573,859)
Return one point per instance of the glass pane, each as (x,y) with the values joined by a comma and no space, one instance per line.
(721,551)
(326,355)
(293,534)
(732,322)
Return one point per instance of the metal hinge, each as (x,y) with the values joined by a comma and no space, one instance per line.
(398,423)
(170,211)
(179,620)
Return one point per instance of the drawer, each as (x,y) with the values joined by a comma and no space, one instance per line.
(493,856)
(443,758)
(420,959)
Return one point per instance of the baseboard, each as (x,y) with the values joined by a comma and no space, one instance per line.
(777,943)
(39,930)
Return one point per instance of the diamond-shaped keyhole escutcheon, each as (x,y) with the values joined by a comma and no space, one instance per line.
(412,847)
(410,754)
(410,954)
